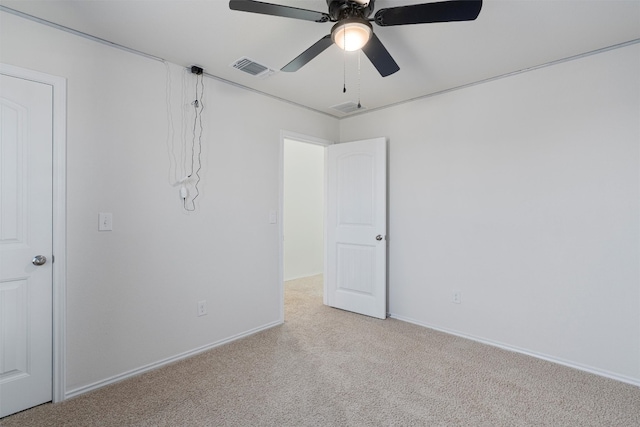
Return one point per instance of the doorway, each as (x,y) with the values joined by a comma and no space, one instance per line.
(354,212)
(303,209)
(302,206)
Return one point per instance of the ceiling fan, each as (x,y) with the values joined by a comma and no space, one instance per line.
(353,29)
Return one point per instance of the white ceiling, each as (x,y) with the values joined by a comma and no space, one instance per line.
(508,36)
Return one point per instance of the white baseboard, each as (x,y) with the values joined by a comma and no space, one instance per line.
(568,363)
(303,277)
(116,378)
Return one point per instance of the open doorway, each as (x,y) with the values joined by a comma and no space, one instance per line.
(354,220)
(302,207)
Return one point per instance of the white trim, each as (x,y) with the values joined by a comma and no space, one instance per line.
(149,56)
(285,134)
(365,111)
(59,85)
(304,277)
(77,33)
(548,358)
(146,368)
(325,237)
(498,77)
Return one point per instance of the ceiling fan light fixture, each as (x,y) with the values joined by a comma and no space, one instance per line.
(351,34)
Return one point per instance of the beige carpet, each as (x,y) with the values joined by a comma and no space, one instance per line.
(326,367)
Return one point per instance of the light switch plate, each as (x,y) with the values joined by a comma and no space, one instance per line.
(105,221)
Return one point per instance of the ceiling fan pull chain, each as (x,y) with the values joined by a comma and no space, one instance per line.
(344,68)
(359,105)
(344,73)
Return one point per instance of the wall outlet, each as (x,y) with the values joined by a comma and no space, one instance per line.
(457,297)
(202,307)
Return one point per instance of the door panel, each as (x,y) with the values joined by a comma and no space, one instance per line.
(356,203)
(14,329)
(356,206)
(26,123)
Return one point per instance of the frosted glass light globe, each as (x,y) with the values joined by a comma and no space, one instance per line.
(351,36)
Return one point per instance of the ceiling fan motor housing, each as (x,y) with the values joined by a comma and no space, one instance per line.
(342,9)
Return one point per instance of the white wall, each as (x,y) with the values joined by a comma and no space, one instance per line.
(522,193)
(303,209)
(132,292)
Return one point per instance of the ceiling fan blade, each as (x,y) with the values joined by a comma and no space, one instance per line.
(426,13)
(277,10)
(306,56)
(380,57)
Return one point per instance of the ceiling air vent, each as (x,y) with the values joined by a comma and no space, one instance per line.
(252,67)
(347,107)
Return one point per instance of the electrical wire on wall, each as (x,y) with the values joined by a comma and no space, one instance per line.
(185,174)
(173,161)
(196,139)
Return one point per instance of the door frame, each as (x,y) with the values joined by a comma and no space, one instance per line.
(59,190)
(284,134)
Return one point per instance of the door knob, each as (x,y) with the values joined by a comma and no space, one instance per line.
(378,237)
(39,260)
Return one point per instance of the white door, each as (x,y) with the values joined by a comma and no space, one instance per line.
(26,121)
(356,227)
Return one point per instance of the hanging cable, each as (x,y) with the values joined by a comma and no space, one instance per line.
(198,128)
(185,124)
(173,161)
